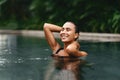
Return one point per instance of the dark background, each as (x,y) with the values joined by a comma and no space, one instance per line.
(101,16)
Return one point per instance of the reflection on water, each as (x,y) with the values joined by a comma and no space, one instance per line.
(7,43)
(28,58)
(65,69)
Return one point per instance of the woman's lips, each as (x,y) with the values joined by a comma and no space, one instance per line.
(63,36)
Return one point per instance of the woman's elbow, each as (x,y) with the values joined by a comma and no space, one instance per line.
(84,53)
(45,25)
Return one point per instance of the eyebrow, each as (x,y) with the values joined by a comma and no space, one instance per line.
(66,28)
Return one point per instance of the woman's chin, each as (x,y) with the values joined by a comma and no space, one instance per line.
(65,41)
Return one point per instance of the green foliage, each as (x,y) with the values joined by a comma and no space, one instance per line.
(2,1)
(90,16)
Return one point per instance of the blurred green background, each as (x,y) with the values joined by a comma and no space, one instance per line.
(101,16)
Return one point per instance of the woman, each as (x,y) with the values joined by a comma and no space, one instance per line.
(68,35)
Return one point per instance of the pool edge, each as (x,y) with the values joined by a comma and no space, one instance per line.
(84,36)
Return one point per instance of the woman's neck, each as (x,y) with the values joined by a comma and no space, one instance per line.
(67,43)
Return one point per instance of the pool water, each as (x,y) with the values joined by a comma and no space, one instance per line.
(28,58)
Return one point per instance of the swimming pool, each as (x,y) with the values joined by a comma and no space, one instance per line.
(28,58)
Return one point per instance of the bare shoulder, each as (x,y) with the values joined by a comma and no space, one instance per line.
(73,47)
(75,44)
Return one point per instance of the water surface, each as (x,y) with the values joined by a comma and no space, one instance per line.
(28,58)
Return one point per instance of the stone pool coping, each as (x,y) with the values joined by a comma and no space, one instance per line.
(84,36)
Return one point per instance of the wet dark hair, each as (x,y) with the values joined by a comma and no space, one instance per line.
(77,29)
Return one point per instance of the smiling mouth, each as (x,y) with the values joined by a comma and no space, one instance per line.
(63,36)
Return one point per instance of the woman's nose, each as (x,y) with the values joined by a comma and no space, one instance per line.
(63,31)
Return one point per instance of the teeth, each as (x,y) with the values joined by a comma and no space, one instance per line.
(64,36)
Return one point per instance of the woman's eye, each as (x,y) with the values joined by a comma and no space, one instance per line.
(68,29)
(62,29)
(65,29)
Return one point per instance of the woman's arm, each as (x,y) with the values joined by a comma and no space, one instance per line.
(73,49)
(48,30)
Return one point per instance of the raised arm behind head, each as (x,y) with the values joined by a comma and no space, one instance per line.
(48,30)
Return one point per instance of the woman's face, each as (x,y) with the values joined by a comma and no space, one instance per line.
(67,34)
